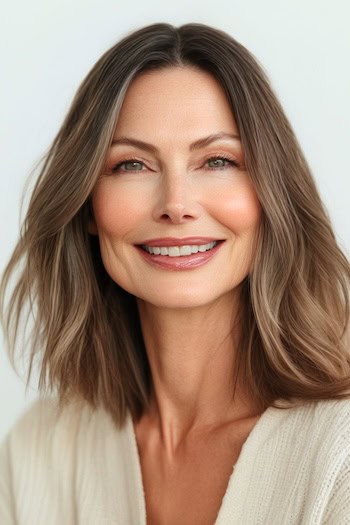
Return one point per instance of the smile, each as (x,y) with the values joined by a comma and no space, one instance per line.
(180,257)
(179,251)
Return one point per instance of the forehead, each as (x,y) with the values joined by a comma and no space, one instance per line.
(174,102)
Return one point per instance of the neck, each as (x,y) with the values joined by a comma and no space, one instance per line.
(192,355)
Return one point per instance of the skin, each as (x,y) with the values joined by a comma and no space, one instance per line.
(186,316)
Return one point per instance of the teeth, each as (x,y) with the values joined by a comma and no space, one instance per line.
(178,251)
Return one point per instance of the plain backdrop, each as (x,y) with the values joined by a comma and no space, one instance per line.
(48,47)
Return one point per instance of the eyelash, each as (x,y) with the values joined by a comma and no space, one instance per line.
(231,161)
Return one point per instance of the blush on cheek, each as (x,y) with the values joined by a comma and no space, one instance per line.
(240,212)
(115,212)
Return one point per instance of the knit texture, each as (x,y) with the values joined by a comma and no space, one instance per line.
(76,467)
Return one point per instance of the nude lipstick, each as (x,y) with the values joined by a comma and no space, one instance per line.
(164,252)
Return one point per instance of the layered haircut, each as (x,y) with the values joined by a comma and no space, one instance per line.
(85,329)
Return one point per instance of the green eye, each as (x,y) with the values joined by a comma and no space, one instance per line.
(127,162)
(224,162)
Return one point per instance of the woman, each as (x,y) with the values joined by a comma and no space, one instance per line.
(190,304)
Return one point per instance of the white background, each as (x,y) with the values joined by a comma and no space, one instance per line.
(48,47)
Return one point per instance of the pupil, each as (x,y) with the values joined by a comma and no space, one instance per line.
(133,164)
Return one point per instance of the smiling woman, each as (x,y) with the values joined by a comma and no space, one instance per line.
(177,196)
(191,304)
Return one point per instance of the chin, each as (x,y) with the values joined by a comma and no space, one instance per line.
(182,299)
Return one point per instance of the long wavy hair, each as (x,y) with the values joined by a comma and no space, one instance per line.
(85,329)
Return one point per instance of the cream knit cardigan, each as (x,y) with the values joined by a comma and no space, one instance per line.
(77,467)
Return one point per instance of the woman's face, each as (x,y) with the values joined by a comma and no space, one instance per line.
(170,189)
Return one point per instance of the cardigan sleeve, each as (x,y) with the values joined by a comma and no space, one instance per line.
(338,508)
(38,465)
(25,441)
(7,507)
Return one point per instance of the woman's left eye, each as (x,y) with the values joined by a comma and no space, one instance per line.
(228,160)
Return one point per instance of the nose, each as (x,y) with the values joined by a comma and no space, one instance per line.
(177,201)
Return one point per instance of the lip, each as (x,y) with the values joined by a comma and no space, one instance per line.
(185,262)
(174,241)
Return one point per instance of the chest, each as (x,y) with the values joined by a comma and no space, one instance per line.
(191,489)
(187,496)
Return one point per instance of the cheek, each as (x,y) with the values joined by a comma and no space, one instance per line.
(115,210)
(240,210)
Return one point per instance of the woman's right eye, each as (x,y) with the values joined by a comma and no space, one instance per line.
(127,162)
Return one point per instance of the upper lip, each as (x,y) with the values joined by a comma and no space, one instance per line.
(174,241)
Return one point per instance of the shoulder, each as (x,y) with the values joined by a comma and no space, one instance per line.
(41,433)
(49,439)
(53,454)
(322,425)
(32,458)
(48,427)
(43,420)
(322,416)
(303,457)
(317,432)
(333,415)
(330,424)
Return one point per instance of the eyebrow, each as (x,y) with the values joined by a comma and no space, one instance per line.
(200,143)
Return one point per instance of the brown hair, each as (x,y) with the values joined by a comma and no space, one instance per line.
(86,330)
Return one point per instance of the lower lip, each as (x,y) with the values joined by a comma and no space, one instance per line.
(184,262)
